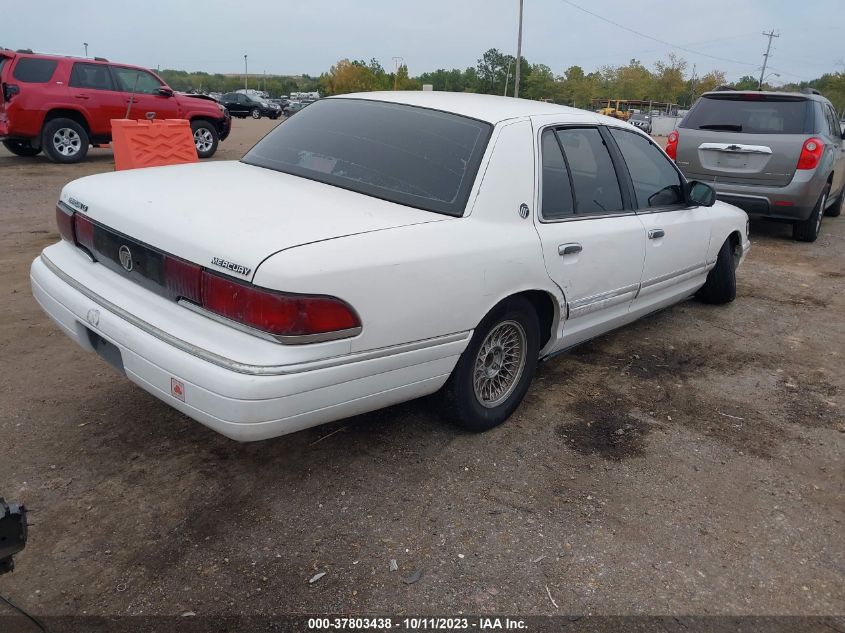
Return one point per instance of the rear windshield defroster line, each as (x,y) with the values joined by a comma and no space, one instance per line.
(418,157)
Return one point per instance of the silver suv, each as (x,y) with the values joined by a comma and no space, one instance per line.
(777,155)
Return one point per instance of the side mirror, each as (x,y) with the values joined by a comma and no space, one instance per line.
(165,92)
(700,194)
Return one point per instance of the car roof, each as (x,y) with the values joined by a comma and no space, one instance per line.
(73,58)
(490,108)
(766,93)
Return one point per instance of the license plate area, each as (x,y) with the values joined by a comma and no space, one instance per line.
(108,351)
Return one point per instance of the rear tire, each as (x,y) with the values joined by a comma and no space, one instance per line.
(21,148)
(836,209)
(64,141)
(255,113)
(205,138)
(808,230)
(493,373)
(720,286)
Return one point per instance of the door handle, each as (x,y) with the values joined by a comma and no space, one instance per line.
(82,96)
(569,249)
(653,234)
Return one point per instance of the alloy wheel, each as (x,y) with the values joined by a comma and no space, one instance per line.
(499,364)
(67,142)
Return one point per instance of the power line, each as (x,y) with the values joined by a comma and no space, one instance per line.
(655,39)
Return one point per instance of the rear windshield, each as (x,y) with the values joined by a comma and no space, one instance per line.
(750,114)
(414,156)
(34,70)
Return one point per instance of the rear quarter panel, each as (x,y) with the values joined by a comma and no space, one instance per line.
(416,282)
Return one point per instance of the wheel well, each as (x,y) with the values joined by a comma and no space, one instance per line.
(68,114)
(544,304)
(735,238)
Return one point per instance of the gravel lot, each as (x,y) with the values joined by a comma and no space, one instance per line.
(689,463)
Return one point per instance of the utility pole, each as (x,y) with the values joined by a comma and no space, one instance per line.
(692,87)
(246,74)
(85,44)
(397,62)
(518,55)
(507,79)
(770,35)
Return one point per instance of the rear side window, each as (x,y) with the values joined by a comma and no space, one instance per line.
(95,76)
(418,157)
(33,70)
(596,188)
(750,114)
(557,186)
(656,183)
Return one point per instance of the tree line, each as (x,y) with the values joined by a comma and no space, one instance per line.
(668,81)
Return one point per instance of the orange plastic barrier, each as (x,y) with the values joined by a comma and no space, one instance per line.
(152,143)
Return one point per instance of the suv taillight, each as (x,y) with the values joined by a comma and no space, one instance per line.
(672,144)
(811,154)
(9,91)
(276,313)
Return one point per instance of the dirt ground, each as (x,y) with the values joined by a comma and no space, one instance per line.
(691,463)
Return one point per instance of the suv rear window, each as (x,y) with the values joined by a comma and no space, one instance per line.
(34,70)
(750,114)
(414,156)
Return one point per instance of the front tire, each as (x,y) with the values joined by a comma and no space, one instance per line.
(65,141)
(205,138)
(808,230)
(21,148)
(255,113)
(720,286)
(495,370)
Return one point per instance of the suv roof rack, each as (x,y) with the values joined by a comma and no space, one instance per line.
(810,91)
(722,88)
(100,59)
(28,51)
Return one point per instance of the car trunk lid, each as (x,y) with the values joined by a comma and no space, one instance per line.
(744,138)
(228,216)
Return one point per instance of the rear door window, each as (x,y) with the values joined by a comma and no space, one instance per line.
(557,200)
(750,114)
(34,70)
(596,187)
(656,182)
(94,76)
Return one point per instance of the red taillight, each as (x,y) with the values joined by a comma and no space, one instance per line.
(183,279)
(811,154)
(64,220)
(83,228)
(276,313)
(672,144)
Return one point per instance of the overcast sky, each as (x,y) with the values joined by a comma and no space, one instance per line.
(308,36)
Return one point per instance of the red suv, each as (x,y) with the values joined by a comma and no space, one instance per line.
(62,105)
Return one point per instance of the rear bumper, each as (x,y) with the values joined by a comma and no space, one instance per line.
(794,201)
(245,402)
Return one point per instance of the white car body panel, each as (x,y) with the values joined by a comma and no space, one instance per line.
(182,206)
(421,282)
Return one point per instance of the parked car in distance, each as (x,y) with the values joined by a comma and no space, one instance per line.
(642,121)
(294,106)
(62,105)
(243,105)
(777,155)
(425,256)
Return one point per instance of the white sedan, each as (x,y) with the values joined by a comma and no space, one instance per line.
(377,248)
